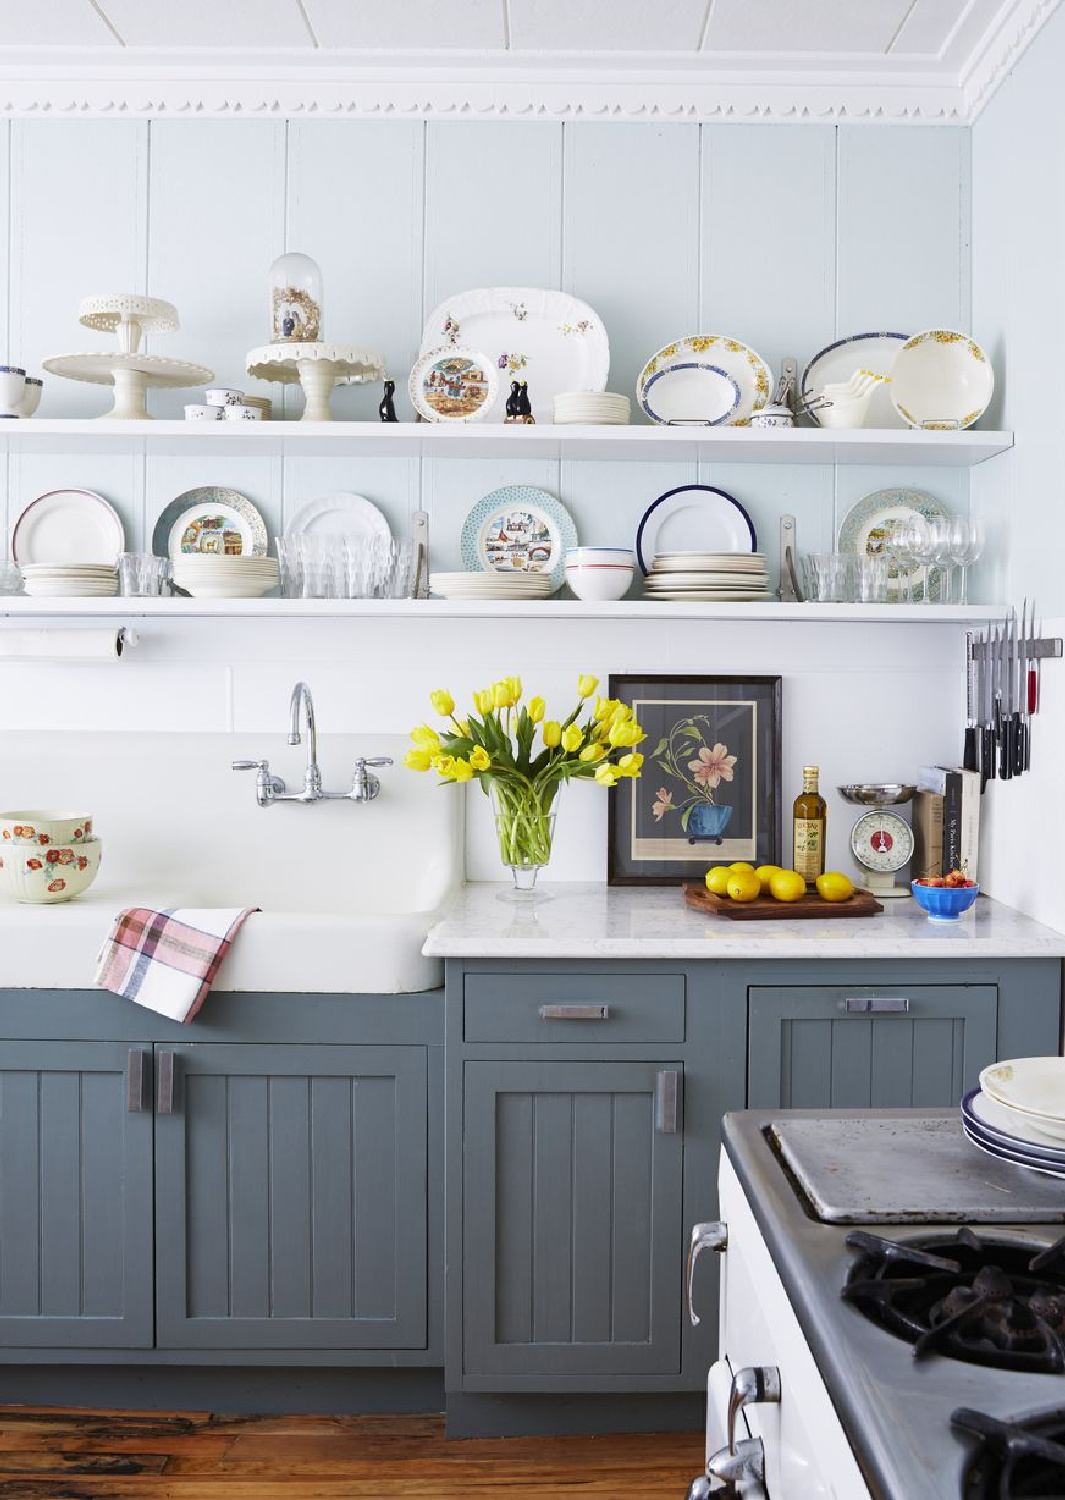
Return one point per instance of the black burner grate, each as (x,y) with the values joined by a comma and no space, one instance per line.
(1015,1460)
(989,1302)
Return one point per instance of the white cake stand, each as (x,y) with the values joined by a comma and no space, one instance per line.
(130,374)
(130,314)
(317,368)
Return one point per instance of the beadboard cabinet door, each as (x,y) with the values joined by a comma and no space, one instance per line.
(572,1220)
(75,1195)
(845,1047)
(291,1197)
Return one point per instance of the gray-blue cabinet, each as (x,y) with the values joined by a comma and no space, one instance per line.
(572,1213)
(75,1195)
(899,1045)
(291,1197)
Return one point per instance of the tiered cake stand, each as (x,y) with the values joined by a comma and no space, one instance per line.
(130,372)
(318,368)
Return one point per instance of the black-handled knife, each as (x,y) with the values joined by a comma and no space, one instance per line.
(969,758)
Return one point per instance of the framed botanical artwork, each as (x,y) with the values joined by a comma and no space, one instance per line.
(710,788)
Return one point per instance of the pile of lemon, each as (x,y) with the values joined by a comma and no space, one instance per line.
(742,882)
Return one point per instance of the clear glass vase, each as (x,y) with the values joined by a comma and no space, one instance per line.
(525,827)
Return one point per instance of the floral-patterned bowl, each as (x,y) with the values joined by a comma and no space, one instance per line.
(42,877)
(44,828)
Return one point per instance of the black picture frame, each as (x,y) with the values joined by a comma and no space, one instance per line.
(685,718)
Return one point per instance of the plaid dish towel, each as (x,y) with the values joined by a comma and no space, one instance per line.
(167,960)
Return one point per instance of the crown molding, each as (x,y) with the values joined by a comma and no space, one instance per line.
(1001,49)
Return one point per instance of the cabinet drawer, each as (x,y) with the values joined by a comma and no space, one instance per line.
(546,1006)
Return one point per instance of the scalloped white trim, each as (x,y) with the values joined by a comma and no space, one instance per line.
(1001,50)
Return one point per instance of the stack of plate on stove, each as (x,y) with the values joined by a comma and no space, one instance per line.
(695,576)
(593,407)
(83,580)
(1018,1113)
(492,585)
(207,575)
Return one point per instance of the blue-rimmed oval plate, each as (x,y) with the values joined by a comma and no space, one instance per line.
(690,394)
(518,529)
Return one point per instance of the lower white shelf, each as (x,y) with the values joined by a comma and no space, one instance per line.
(18,608)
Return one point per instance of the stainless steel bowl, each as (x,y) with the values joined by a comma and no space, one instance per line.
(876,793)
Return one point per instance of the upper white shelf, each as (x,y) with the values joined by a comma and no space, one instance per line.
(544,440)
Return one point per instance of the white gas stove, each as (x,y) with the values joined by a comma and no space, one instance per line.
(892,1309)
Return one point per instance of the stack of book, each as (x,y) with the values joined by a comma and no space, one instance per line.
(946,822)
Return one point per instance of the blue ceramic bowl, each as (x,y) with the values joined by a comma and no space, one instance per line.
(943,903)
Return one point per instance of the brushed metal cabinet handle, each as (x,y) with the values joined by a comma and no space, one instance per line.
(667,1100)
(165,1074)
(876,1005)
(137,1074)
(575,1013)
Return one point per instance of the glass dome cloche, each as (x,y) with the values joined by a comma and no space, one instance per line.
(295,299)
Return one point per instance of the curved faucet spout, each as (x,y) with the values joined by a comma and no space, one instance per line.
(301,705)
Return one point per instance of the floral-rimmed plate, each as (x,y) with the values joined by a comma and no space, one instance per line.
(552,340)
(941,381)
(838,361)
(64,527)
(212,520)
(748,369)
(690,393)
(453,384)
(871,522)
(518,529)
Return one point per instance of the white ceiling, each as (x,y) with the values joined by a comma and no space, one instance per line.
(861,44)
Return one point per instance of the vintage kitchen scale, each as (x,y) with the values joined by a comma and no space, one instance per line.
(881,840)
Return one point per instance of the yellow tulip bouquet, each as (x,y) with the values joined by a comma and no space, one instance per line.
(522,758)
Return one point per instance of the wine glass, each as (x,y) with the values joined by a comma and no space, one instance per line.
(967,538)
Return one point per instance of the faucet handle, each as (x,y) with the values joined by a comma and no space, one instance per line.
(267,787)
(376,760)
(251,765)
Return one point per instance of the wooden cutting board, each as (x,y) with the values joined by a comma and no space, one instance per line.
(764,908)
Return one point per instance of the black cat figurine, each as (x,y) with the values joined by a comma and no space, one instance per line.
(513,401)
(525,411)
(387,409)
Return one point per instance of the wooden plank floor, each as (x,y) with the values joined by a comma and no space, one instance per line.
(47,1454)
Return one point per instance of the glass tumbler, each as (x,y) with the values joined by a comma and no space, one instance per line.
(871,579)
(827,577)
(141,575)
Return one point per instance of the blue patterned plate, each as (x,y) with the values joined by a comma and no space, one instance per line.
(518,529)
(870,523)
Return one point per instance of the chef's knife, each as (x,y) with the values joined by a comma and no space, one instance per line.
(987,741)
(1016,730)
(969,754)
(1029,689)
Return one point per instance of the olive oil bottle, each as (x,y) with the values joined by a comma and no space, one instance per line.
(809,816)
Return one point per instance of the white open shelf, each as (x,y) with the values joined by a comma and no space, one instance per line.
(439,440)
(20,608)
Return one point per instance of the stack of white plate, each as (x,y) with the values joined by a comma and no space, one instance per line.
(492,585)
(695,576)
(1018,1113)
(48,580)
(593,407)
(207,576)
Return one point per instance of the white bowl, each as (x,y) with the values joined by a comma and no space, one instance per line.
(223,395)
(239,412)
(597,583)
(43,877)
(941,380)
(199,411)
(43,827)
(615,557)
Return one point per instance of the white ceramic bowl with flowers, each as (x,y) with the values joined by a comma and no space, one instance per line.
(44,876)
(43,827)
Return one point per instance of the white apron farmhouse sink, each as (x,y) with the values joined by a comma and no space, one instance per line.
(346,892)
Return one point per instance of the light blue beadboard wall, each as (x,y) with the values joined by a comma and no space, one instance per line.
(784,236)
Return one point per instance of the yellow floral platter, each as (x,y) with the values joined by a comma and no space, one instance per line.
(732,358)
(941,381)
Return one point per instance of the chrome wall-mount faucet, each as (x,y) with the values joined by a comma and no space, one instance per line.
(270,788)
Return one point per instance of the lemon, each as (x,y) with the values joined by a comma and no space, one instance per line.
(832,886)
(744,885)
(741,864)
(787,885)
(765,873)
(717,880)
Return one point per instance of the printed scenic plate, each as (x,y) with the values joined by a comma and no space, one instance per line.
(213,520)
(555,342)
(873,519)
(739,363)
(453,384)
(518,529)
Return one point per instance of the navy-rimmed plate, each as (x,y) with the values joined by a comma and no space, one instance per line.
(694,518)
(1001,1153)
(989,1118)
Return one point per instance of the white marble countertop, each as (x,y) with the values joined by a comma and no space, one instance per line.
(599,921)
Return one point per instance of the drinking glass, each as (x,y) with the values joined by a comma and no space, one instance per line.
(141,575)
(827,577)
(288,561)
(10,578)
(966,546)
(871,579)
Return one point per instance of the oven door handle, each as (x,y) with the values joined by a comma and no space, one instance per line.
(711,1236)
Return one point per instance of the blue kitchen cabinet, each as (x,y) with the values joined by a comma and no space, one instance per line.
(75,1195)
